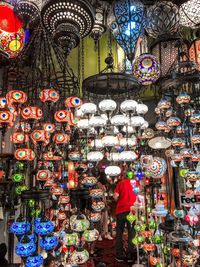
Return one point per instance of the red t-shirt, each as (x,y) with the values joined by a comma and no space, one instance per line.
(126,196)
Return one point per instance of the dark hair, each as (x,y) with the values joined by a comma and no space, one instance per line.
(102,178)
(48,260)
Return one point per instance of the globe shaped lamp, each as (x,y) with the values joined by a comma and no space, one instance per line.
(89,108)
(107,105)
(128,106)
(159,142)
(25,247)
(97,122)
(136,121)
(190,14)
(43,227)
(110,141)
(83,124)
(20,227)
(34,261)
(49,242)
(80,224)
(79,256)
(128,156)
(119,120)
(112,171)
(146,69)
(94,156)
(141,109)
(90,235)
(70,239)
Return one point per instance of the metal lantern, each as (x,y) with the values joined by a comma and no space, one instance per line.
(190,14)
(67,21)
(126,22)
(162,19)
(99,25)
(12,35)
(194,52)
(146,69)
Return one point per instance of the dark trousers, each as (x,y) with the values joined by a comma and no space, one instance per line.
(120,227)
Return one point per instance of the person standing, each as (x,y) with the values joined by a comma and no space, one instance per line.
(125,198)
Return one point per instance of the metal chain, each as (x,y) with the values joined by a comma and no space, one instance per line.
(99,58)
(83,59)
(79,63)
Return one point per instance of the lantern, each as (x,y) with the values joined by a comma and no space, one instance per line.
(190,14)
(157,168)
(49,127)
(112,171)
(162,19)
(79,256)
(61,116)
(61,138)
(24,126)
(25,248)
(6,117)
(89,181)
(43,175)
(3,102)
(96,193)
(126,22)
(70,239)
(98,206)
(49,242)
(34,261)
(90,235)
(12,35)
(20,227)
(95,217)
(31,113)
(19,138)
(73,102)
(71,175)
(24,154)
(80,224)
(49,156)
(40,136)
(16,97)
(146,69)
(56,190)
(43,226)
(49,95)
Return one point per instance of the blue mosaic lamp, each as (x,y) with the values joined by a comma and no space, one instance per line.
(34,261)
(43,226)
(25,247)
(49,242)
(127,23)
(20,227)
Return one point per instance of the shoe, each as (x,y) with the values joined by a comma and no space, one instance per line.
(109,237)
(120,259)
(100,238)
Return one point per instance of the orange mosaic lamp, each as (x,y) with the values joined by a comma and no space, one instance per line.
(31,113)
(12,36)
(49,95)
(40,136)
(24,154)
(16,97)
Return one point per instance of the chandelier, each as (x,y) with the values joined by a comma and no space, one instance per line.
(126,21)
(67,21)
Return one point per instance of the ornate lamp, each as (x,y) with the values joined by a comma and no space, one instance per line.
(190,14)
(99,25)
(12,35)
(126,22)
(162,19)
(67,21)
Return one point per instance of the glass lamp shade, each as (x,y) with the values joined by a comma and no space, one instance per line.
(49,95)
(162,19)
(190,14)
(89,181)
(43,227)
(34,261)
(31,113)
(145,125)
(110,141)
(137,121)
(195,139)
(98,206)
(89,108)
(80,224)
(19,138)
(20,228)
(16,97)
(107,105)
(61,138)
(24,154)
(90,235)
(49,127)
(17,177)
(43,175)
(83,124)
(186,152)
(40,136)
(128,156)
(96,193)
(129,129)
(159,142)
(128,141)
(12,35)
(49,242)
(97,122)
(95,156)
(112,171)
(70,239)
(73,102)
(24,126)
(178,142)
(141,109)
(157,168)
(25,249)
(95,217)
(127,25)
(96,143)
(183,98)
(74,156)
(128,106)
(79,256)
(114,157)
(173,122)
(7,117)
(119,120)
(195,118)
(146,69)
(62,116)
